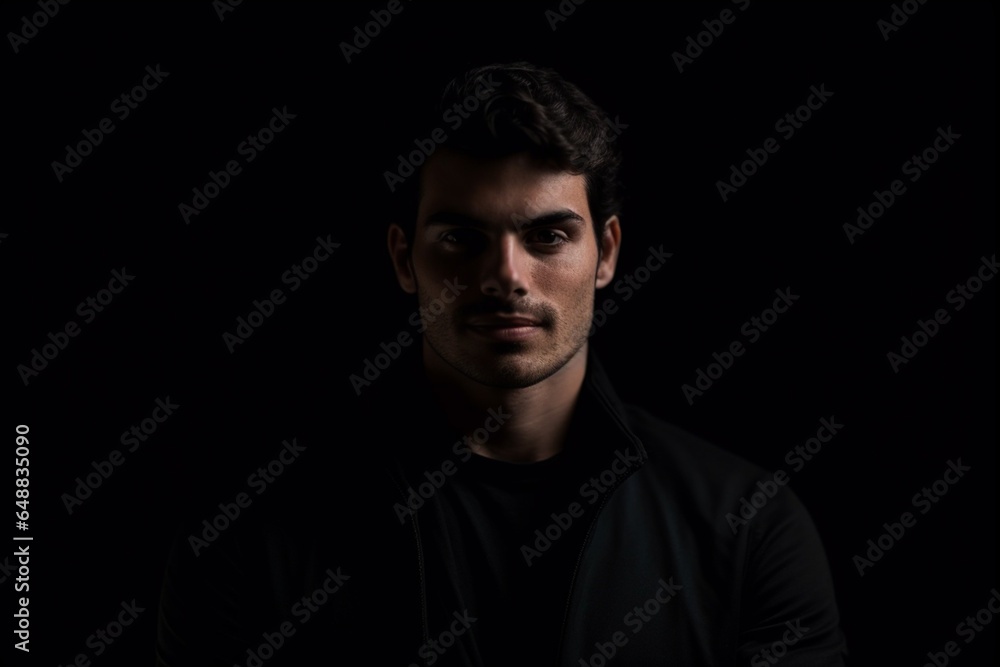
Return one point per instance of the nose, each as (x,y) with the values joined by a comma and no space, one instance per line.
(505,272)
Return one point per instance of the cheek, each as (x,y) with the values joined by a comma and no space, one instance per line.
(435,265)
(434,275)
(570,291)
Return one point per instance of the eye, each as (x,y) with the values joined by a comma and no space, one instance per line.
(453,236)
(460,238)
(547,237)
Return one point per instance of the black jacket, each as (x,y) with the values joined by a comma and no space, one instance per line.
(323,568)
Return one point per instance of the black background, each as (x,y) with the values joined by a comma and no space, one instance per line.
(323,175)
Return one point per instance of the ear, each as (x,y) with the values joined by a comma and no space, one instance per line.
(399,252)
(611,243)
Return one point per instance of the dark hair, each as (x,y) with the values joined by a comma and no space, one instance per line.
(528,108)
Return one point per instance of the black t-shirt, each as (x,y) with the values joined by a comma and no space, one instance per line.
(513,561)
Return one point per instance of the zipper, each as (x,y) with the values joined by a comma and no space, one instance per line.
(608,406)
(579,559)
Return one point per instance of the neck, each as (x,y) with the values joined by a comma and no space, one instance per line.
(539,415)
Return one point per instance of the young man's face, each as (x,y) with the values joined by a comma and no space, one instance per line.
(517,239)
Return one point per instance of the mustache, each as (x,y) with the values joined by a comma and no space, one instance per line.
(493,306)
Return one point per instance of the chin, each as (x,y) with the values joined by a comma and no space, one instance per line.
(511,376)
(507,365)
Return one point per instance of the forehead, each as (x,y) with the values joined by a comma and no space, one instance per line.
(496,190)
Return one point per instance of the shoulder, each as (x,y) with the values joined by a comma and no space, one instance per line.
(673,448)
(723,487)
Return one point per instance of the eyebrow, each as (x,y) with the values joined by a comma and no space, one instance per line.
(453,219)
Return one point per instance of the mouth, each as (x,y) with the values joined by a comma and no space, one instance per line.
(506,329)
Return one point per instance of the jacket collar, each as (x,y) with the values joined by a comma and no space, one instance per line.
(597,387)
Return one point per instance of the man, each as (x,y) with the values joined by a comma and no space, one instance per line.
(496,504)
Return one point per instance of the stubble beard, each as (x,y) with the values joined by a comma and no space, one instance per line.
(503,364)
